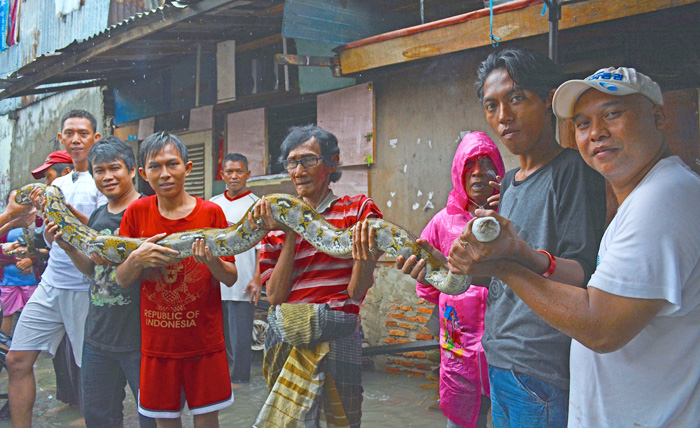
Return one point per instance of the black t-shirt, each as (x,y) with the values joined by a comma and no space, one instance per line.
(113,321)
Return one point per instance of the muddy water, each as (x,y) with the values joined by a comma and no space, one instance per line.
(389,401)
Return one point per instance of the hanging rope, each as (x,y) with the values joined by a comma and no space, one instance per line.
(494,39)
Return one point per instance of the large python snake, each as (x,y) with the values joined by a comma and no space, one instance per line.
(286,209)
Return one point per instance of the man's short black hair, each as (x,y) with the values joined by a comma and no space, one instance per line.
(80,113)
(235,157)
(59,167)
(108,150)
(298,135)
(154,143)
(529,70)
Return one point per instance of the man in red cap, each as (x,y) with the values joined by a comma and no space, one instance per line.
(57,164)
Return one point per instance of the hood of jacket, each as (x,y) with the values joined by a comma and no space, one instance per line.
(473,145)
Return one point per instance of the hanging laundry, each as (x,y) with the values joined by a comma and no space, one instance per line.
(12,37)
(64,7)
(4,15)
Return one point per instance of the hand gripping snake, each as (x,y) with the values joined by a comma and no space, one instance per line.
(286,209)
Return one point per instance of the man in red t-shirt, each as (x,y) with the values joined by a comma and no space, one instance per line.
(293,271)
(182,342)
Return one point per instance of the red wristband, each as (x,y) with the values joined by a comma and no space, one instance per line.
(552,264)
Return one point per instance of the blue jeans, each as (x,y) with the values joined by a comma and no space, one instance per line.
(238,335)
(451,424)
(518,400)
(104,375)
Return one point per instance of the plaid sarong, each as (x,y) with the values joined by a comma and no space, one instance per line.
(313,368)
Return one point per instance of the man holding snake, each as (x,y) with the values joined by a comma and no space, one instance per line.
(183,356)
(295,272)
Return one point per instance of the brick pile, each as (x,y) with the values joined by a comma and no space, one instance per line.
(405,323)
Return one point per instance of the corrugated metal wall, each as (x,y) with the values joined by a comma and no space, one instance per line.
(42,31)
(121,10)
(38,123)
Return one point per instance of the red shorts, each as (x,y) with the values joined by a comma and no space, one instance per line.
(166,383)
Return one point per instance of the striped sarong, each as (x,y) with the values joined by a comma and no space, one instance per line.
(313,368)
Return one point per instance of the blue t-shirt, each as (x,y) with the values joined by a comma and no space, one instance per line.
(12,274)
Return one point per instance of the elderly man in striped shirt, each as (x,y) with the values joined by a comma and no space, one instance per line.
(303,283)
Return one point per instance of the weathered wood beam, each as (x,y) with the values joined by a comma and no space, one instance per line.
(255,44)
(279,98)
(237,20)
(159,48)
(168,17)
(470,34)
(61,88)
(306,60)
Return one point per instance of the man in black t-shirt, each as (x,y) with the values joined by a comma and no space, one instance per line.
(111,353)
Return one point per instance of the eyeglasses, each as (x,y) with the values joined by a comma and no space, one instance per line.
(306,162)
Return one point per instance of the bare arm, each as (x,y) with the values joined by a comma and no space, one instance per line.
(280,283)
(365,256)
(223,271)
(80,216)
(16,215)
(80,260)
(509,246)
(567,271)
(147,255)
(599,320)
(254,287)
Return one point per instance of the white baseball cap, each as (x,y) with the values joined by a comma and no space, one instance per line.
(614,81)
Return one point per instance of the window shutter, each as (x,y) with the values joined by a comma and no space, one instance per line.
(194,183)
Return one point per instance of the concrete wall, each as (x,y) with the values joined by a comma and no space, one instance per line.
(38,123)
(7,127)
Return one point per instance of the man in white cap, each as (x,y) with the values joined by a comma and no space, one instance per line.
(635,357)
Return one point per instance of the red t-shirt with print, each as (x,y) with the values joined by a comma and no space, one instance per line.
(181,303)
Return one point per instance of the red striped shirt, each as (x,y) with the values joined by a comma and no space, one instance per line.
(318,277)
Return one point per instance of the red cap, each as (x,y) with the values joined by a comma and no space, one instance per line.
(59,156)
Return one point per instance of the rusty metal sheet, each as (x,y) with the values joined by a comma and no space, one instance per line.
(121,10)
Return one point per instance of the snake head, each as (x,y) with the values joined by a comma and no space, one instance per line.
(22,196)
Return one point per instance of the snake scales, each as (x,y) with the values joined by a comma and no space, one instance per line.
(289,210)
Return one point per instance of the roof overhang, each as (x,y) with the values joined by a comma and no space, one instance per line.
(146,43)
(514,20)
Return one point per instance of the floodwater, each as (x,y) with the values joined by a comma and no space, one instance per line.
(390,401)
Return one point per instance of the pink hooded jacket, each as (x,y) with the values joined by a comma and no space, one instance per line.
(463,369)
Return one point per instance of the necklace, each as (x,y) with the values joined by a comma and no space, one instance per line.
(470,200)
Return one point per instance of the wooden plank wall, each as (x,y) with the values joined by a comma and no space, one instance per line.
(246,133)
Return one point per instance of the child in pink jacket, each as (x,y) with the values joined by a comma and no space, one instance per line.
(463,370)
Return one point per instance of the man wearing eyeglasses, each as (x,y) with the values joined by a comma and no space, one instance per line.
(326,292)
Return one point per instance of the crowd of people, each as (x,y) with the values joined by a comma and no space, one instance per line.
(567,322)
